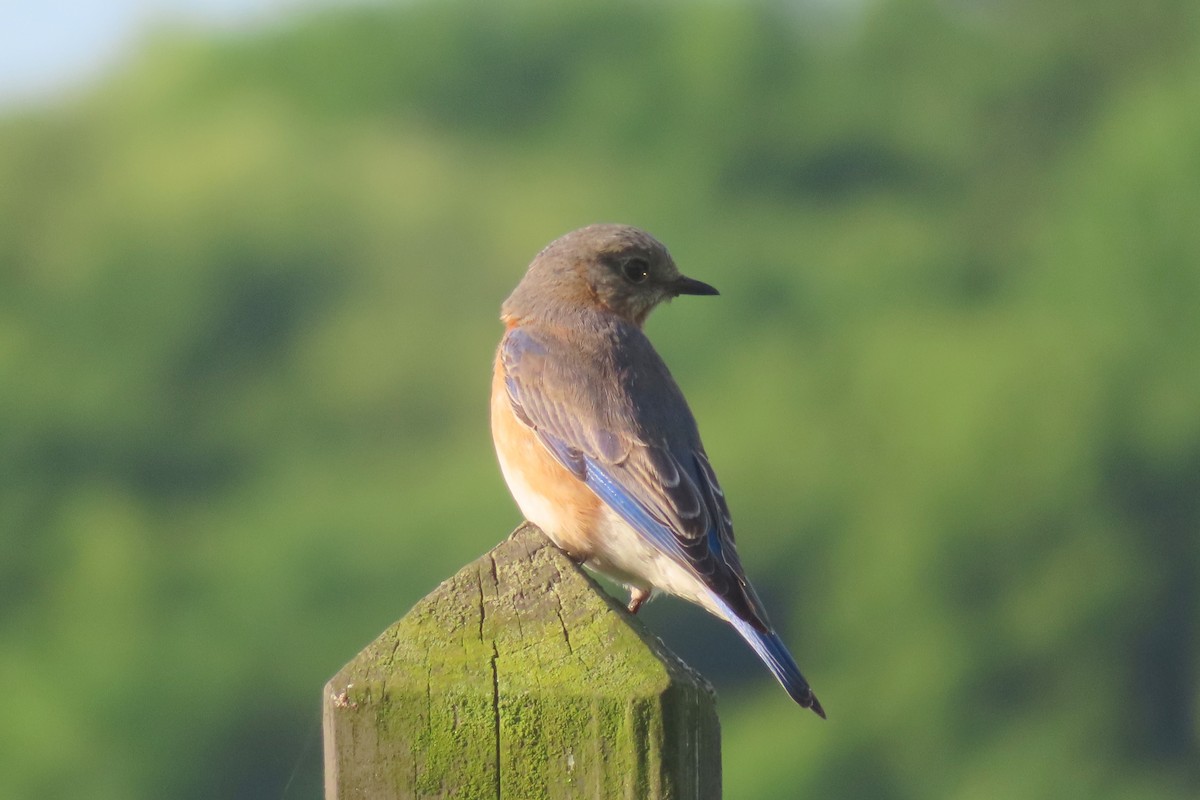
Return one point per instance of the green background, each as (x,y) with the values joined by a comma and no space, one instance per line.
(249,287)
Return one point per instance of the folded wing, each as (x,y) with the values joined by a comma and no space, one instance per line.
(634,442)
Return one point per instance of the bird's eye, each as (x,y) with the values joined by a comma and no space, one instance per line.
(636,270)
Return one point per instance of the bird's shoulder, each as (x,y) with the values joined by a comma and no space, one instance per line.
(606,368)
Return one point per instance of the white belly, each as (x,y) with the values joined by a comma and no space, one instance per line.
(625,555)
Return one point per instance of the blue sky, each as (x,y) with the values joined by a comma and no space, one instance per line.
(50,46)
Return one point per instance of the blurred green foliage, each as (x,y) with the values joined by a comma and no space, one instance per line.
(248,299)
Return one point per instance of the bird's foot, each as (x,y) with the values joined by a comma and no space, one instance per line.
(636,598)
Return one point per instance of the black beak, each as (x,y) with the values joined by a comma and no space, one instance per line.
(686,285)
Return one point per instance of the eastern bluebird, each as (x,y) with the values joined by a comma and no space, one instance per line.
(597,444)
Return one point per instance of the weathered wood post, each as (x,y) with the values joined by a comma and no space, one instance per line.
(519,678)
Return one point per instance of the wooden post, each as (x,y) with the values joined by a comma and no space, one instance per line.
(520,678)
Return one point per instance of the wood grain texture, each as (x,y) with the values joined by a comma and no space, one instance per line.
(520,678)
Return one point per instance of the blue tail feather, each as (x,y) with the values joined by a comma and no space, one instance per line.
(771,649)
(768,646)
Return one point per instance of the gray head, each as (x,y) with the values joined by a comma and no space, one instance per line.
(617,268)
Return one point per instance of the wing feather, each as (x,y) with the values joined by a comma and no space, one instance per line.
(635,444)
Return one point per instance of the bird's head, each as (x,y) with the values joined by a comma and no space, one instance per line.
(618,268)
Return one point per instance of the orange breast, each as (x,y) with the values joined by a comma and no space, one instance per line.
(548,494)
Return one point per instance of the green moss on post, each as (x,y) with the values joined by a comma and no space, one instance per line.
(520,678)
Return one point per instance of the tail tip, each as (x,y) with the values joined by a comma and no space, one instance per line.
(813,704)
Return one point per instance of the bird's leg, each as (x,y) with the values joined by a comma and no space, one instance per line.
(637,596)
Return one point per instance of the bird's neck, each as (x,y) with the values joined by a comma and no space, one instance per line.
(521,309)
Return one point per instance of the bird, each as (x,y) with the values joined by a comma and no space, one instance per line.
(598,445)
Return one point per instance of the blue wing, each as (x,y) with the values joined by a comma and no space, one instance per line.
(635,446)
(634,442)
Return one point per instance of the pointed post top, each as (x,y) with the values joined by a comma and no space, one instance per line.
(517,673)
